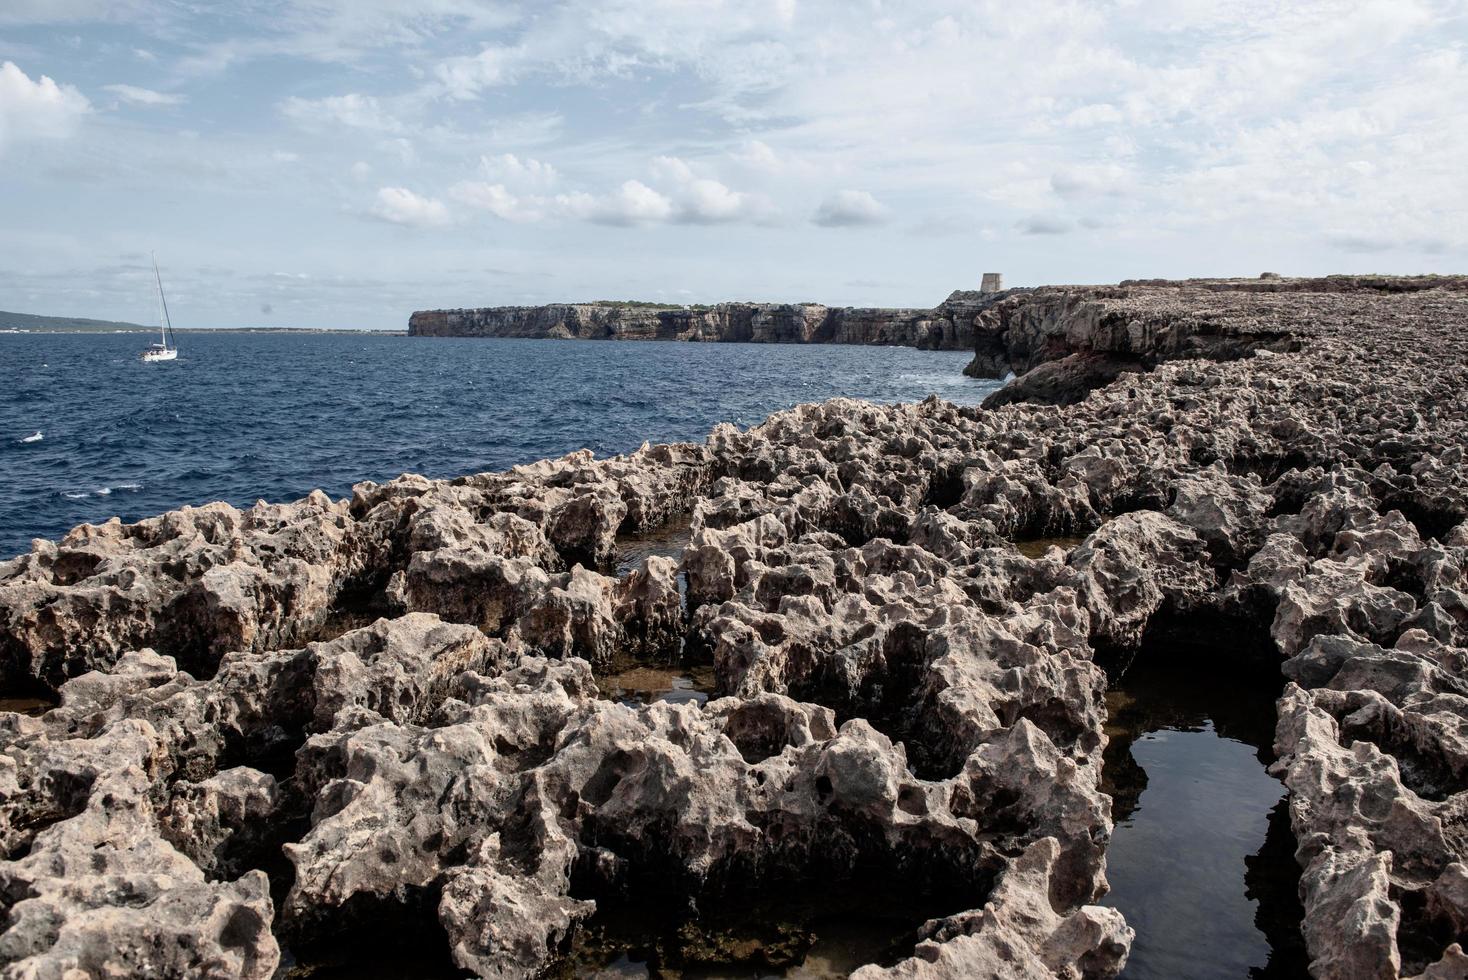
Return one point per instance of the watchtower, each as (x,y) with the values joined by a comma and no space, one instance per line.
(993,283)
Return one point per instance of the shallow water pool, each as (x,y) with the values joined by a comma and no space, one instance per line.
(1201,861)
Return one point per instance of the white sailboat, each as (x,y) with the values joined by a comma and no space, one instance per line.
(163,351)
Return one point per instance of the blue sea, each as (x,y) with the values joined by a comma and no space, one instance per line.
(243,417)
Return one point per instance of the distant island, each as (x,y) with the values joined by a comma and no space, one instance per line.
(947,326)
(35,323)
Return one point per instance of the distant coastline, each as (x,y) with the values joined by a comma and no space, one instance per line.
(947,326)
(33,323)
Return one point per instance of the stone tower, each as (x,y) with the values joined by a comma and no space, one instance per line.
(993,283)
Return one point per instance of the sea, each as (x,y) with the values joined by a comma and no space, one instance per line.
(88,432)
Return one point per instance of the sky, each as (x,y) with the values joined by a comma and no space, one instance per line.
(341,163)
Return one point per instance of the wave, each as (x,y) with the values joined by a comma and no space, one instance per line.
(102,491)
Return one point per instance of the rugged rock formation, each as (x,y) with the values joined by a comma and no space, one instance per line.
(1064,341)
(400,692)
(949,326)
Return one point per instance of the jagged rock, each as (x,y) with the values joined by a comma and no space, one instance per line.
(1335,597)
(101,893)
(1019,933)
(224,821)
(1129,568)
(195,582)
(1228,512)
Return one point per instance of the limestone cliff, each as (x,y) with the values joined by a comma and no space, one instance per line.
(1064,341)
(949,326)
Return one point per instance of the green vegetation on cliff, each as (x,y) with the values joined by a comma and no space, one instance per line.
(67,324)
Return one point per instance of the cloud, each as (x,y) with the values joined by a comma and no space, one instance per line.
(1045,225)
(507,168)
(634,203)
(704,201)
(498,200)
(39,109)
(672,168)
(759,155)
(516,192)
(1095,114)
(133,95)
(66,11)
(1091,180)
(353,111)
(465,77)
(845,209)
(403,207)
(701,200)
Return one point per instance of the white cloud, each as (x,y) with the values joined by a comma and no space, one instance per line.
(361,170)
(1091,180)
(465,77)
(634,203)
(672,168)
(134,95)
(353,110)
(507,168)
(1095,114)
(39,109)
(701,200)
(515,193)
(706,201)
(759,155)
(403,207)
(498,201)
(845,209)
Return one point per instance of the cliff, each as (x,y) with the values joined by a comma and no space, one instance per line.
(949,326)
(1064,341)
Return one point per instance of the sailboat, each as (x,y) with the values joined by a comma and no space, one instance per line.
(163,351)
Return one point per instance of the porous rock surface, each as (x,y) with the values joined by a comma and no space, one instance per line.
(294,722)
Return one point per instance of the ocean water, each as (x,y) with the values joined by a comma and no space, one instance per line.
(241,417)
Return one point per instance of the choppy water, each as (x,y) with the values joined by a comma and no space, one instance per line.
(241,417)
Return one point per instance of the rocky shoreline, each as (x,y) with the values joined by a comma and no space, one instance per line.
(948,326)
(399,692)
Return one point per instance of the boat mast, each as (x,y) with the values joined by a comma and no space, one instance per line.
(165,326)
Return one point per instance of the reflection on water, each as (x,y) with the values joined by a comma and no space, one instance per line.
(1202,859)
(679,680)
(667,541)
(34,706)
(785,932)
(645,683)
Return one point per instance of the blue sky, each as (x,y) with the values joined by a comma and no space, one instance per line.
(344,162)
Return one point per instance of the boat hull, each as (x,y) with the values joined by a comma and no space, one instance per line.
(149,356)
